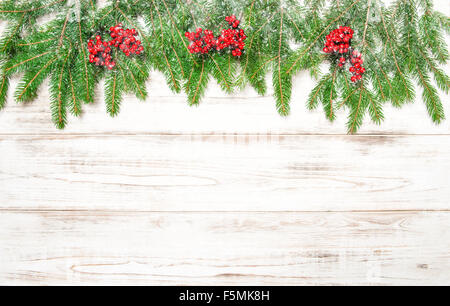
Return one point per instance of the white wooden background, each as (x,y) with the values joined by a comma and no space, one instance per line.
(224,193)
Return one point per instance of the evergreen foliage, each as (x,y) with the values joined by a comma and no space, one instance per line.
(403,45)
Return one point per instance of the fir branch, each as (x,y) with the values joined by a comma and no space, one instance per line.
(177,30)
(23,89)
(313,99)
(13,33)
(35,43)
(401,43)
(383,72)
(168,69)
(26,61)
(355,115)
(3,90)
(262,66)
(32,9)
(172,74)
(375,109)
(197,83)
(75,104)
(320,36)
(440,77)
(112,94)
(195,98)
(140,89)
(59,103)
(329,109)
(282,85)
(85,63)
(407,88)
(178,60)
(244,70)
(363,44)
(348,97)
(299,32)
(219,75)
(431,98)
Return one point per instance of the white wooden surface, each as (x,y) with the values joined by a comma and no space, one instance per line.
(224,193)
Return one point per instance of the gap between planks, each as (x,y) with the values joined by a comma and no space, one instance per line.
(122,211)
(139,134)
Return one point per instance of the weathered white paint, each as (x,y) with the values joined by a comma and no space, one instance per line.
(225,173)
(95,247)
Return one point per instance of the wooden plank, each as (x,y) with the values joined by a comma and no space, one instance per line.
(225,173)
(67,247)
(244,112)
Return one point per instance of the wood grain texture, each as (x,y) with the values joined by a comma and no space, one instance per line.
(228,248)
(225,173)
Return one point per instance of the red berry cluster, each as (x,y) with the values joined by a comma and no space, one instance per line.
(233,39)
(100,51)
(339,40)
(125,40)
(357,69)
(338,44)
(232,21)
(203,41)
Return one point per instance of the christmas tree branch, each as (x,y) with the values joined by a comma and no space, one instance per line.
(320,36)
(401,46)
